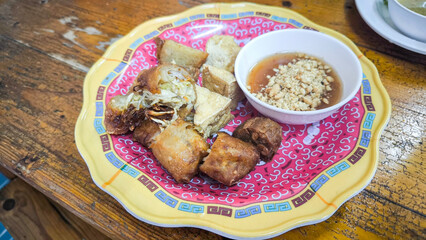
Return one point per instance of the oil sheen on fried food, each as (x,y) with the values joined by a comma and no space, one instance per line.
(257,78)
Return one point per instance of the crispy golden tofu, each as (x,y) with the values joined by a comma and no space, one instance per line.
(212,111)
(179,149)
(222,52)
(169,51)
(223,82)
(230,159)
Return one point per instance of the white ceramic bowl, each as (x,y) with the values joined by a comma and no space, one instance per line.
(408,22)
(332,51)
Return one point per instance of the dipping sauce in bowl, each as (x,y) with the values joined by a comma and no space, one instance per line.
(295,81)
(334,53)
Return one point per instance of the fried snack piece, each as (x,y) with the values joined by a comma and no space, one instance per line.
(179,148)
(264,133)
(169,51)
(194,72)
(148,80)
(166,85)
(153,78)
(222,52)
(146,132)
(223,82)
(120,117)
(212,111)
(230,159)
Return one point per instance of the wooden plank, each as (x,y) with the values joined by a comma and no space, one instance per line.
(38,145)
(79,33)
(400,171)
(365,216)
(7,173)
(79,225)
(27,214)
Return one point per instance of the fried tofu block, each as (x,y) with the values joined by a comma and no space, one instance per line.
(169,51)
(222,52)
(146,132)
(223,82)
(212,111)
(264,133)
(230,159)
(120,117)
(179,149)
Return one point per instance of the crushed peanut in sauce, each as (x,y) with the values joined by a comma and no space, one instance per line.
(303,84)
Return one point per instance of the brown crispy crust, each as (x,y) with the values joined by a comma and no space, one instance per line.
(120,122)
(230,159)
(179,149)
(160,43)
(264,133)
(194,72)
(147,79)
(146,132)
(114,123)
(169,51)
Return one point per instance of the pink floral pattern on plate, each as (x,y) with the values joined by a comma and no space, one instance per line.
(306,150)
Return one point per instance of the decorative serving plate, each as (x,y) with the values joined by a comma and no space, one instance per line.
(317,168)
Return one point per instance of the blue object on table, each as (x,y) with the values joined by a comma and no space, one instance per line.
(3,181)
(4,234)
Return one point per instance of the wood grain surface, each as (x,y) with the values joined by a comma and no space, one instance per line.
(47,47)
(28,214)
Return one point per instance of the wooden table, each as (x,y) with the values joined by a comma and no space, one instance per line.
(47,48)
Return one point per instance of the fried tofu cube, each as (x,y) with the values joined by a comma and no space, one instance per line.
(169,51)
(223,82)
(212,111)
(223,51)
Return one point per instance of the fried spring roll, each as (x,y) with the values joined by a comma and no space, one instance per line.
(179,149)
(230,159)
(120,117)
(146,132)
(264,133)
